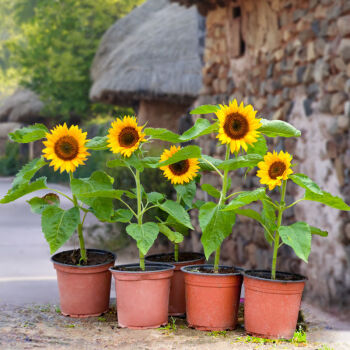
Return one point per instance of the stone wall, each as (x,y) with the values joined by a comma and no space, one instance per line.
(291,60)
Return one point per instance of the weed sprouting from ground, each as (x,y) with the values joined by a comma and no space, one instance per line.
(218,334)
(170,327)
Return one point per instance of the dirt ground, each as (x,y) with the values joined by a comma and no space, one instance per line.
(43,327)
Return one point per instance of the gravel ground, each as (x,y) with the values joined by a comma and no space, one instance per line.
(43,327)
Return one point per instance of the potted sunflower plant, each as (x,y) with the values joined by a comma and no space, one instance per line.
(213,291)
(272,298)
(183,176)
(83,274)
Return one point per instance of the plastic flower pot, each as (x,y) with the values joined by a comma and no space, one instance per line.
(84,290)
(177,299)
(212,299)
(271,307)
(142,296)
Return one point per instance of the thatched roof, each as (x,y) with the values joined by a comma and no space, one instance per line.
(204,6)
(152,53)
(23,106)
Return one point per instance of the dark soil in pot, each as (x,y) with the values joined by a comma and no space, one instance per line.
(212,299)
(271,307)
(94,257)
(84,289)
(177,299)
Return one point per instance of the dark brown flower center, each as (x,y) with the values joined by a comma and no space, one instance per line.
(276,169)
(128,137)
(66,148)
(180,167)
(236,126)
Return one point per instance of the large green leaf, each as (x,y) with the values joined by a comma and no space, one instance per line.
(246,161)
(154,197)
(162,134)
(135,161)
(98,193)
(273,128)
(184,153)
(122,215)
(173,236)
(39,204)
(23,189)
(306,183)
(327,199)
(246,198)
(97,143)
(28,171)
(268,216)
(29,133)
(205,166)
(297,236)
(216,225)
(259,147)
(205,109)
(58,225)
(187,192)
(178,212)
(176,226)
(211,190)
(200,128)
(144,235)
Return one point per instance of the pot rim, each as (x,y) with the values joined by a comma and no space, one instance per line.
(302,278)
(240,271)
(200,257)
(85,266)
(166,267)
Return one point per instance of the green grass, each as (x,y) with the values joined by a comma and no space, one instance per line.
(170,327)
(217,333)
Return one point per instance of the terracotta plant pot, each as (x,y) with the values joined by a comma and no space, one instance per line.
(271,307)
(212,299)
(177,300)
(84,290)
(142,296)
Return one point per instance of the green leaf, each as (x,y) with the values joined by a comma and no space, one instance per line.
(317,231)
(198,204)
(97,143)
(23,189)
(268,216)
(178,212)
(200,128)
(297,236)
(246,198)
(247,161)
(327,199)
(58,225)
(216,225)
(207,167)
(187,192)
(154,197)
(150,162)
(305,182)
(211,190)
(97,192)
(29,133)
(135,162)
(162,134)
(173,236)
(259,147)
(39,204)
(205,109)
(28,171)
(144,235)
(116,163)
(175,225)
(184,153)
(273,128)
(122,215)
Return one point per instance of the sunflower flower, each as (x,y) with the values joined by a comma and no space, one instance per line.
(275,168)
(237,125)
(125,136)
(65,147)
(181,172)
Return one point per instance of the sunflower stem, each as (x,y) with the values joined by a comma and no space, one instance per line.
(139,213)
(222,202)
(176,252)
(83,256)
(276,243)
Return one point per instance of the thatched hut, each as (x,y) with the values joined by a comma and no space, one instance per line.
(151,60)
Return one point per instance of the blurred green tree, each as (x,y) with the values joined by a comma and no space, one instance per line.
(55,46)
